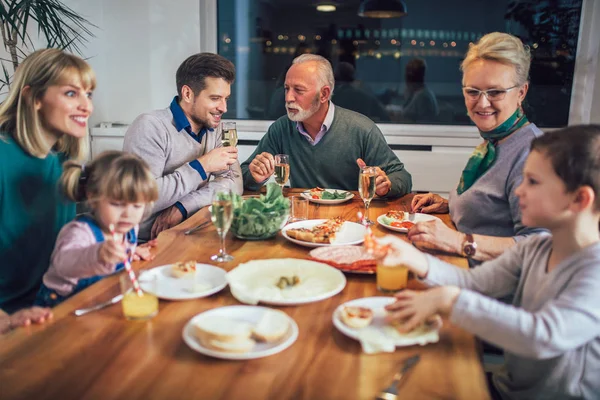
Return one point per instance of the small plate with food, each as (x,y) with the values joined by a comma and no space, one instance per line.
(398,220)
(240,332)
(284,282)
(327,196)
(183,280)
(364,320)
(350,259)
(324,232)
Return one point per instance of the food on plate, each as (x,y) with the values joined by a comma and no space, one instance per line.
(432,322)
(241,346)
(322,194)
(285,282)
(272,326)
(185,269)
(221,329)
(356,317)
(347,258)
(402,224)
(321,233)
(395,214)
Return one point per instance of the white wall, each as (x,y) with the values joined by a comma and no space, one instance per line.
(595,114)
(137,49)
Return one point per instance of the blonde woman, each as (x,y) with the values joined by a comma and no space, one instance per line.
(117,188)
(43,121)
(484,206)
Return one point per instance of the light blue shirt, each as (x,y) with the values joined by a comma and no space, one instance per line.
(324,128)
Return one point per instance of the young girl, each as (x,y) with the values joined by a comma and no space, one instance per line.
(117,187)
(43,121)
(551,332)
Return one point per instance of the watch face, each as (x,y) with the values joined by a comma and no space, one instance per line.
(469,249)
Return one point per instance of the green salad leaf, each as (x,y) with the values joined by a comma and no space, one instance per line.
(262,216)
(335,195)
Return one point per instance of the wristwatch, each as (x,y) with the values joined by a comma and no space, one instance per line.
(469,246)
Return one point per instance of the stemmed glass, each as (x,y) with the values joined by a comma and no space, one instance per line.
(282,169)
(221,214)
(229,137)
(366,189)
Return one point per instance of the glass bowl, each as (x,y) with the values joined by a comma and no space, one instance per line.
(258,225)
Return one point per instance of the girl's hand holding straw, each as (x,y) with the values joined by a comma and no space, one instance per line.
(126,259)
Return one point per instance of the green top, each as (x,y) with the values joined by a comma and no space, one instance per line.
(331,163)
(32,212)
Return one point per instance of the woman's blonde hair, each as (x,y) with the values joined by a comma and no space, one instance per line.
(18,116)
(503,48)
(114,175)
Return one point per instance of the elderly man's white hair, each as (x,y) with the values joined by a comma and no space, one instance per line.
(324,70)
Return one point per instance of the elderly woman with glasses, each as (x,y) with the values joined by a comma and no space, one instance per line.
(484,206)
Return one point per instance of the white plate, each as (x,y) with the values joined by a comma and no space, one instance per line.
(420,336)
(209,280)
(255,281)
(350,233)
(251,314)
(419,217)
(349,195)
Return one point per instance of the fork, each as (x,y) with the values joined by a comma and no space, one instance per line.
(197,228)
(83,311)
(391,392)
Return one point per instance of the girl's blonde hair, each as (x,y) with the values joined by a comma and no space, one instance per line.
(18,116)
(114,175)
(503,48)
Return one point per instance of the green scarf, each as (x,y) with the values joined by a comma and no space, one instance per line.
(485,154)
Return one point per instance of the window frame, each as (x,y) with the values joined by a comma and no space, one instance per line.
(582,92)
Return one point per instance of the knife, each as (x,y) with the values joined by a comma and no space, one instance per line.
(202,225)
(83,311)
(391,392)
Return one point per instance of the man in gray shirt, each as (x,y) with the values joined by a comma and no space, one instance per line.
(182,143)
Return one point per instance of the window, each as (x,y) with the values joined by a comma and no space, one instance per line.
(398,70)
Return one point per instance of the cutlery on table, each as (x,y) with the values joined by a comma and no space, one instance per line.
(411,216)
(83,311)
(197,228)
(391,392)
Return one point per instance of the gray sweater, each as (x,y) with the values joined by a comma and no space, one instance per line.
(551,332)
(331,163)
(168,152)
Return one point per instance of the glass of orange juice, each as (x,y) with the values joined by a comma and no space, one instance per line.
(391,278)
(139,306)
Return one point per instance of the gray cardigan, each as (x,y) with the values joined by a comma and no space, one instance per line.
(168,152)
(551,332)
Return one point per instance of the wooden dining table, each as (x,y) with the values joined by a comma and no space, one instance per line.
(102,355)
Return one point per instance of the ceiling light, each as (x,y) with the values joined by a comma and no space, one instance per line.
(326,7)
(382,9)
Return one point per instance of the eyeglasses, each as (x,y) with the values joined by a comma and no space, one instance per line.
(473,94)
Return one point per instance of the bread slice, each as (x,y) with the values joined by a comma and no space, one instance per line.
(272,326)
(242,346)
(221,329)
(356,317)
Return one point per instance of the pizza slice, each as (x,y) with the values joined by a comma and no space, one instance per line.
(321,233)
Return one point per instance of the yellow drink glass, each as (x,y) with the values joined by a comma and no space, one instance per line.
(138,307)
(391,278)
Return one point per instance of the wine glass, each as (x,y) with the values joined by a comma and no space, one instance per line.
(282,169)
(366,189)
(221,214)
(229,137)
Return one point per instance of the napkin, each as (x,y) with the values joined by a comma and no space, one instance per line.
(373,340)
(243,296)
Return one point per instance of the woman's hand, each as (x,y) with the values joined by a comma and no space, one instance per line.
(24,317)
(404,253)
(143,251)
(412,308)
(429,203)
(436,236)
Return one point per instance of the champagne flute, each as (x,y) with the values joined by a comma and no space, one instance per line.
(282,169)
(221,214)
(366,189)
(229,137)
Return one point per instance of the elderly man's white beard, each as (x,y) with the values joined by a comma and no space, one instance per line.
(302,114)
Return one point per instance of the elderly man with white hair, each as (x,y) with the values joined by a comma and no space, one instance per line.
(326,144)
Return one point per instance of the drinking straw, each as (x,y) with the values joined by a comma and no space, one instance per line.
(127,262)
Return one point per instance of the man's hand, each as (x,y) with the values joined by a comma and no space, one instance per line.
(382,182)
(167,219)
(429,203)
(262,167)
(219,159)
(112,252)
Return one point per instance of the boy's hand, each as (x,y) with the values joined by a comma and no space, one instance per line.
(413,308)
(406,254)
